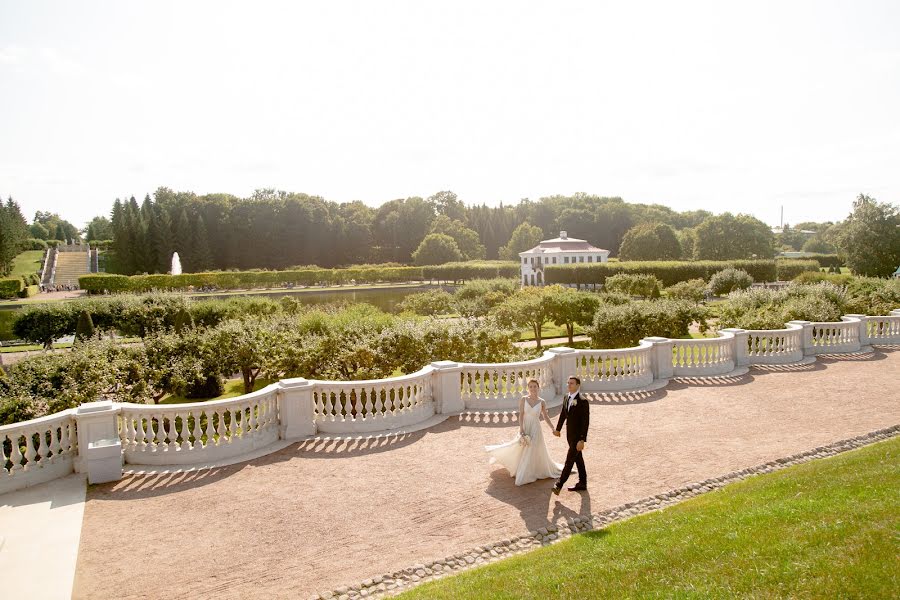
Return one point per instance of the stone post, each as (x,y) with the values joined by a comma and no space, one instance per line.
(661,357)
(895,312)
(741,352)
(99,447)
(446,388)
(863,329)
(295,409)
(806,337)
(564,364)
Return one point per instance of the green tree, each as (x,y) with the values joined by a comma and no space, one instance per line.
(819,245)
(436,249)
(97,229)
(726,237)
(466,239)
(184,241)
(524,237)
(650,241)
(202,259)
(84,330)
(870,238)
(569,307)
(528,307)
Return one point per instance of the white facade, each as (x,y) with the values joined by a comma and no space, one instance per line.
(558,251)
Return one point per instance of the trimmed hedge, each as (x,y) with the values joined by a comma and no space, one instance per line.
(11,286)
(462,271)
(669,272)
(247,279)
(29,290)
(787,270)
(308,276)
(825,261)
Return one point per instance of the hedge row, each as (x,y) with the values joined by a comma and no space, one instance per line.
(29,290)
(11,286)
(789,269)
(669,272)
(245,279)
(310,276)
(824,260)
(462,271)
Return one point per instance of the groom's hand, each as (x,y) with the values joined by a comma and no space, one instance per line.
(579,446)
(556,432)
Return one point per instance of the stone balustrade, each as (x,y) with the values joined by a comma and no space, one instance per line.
(99,438)
(704,357)
(36,451)
(615,370)
(183,434)
(373,405)
(499,386)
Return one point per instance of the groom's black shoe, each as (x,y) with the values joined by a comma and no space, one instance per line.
(578,487)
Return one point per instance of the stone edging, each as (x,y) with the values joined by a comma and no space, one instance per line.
(391,584)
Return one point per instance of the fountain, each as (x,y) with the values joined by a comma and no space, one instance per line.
(176,264)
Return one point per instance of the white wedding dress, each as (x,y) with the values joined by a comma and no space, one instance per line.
(526,463)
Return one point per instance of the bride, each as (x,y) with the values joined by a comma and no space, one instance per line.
(526,457)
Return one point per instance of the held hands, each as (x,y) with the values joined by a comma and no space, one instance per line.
(556,432)
(579,446)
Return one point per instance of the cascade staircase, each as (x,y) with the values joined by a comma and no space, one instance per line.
(70,266)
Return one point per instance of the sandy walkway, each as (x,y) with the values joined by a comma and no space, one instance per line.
(321,514)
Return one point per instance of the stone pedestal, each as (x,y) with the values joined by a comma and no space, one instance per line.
(295,409)
(661,357)
(806,337)
(564,366)
(741,349)
(99,447)
(445,388)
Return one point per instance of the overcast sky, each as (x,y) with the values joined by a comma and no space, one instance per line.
(718,106)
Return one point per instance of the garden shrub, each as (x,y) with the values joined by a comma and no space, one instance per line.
(634,284)
(729,280)
(624,325)
(693,290)
(788,269)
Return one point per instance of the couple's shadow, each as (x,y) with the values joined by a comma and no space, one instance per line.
(535,499)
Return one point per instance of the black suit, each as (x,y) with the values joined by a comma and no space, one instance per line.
(577,420)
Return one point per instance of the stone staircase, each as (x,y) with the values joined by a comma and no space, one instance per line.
(70,266)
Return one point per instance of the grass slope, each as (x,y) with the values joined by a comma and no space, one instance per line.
(26,263)
(825,529)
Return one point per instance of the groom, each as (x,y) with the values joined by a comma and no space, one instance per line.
(576,411)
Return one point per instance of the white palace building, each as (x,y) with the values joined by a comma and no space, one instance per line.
(558,251)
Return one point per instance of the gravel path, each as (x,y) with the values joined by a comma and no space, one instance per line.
(321,514)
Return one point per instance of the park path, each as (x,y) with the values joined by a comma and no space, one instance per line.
(325,513)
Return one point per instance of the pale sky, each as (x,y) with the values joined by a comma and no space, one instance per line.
(720,106)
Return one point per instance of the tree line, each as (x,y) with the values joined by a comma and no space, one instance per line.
(13,234)
(279,230)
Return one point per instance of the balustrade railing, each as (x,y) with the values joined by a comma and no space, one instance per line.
(181,434)
(36,451)
(883,329)
(614,370)
(205,432)
(703,357)
(373,405)
(498,386)
(775,346)
(834,337)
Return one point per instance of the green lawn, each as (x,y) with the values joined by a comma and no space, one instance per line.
(825,529)
(233,389)
(549,330)
(26,263)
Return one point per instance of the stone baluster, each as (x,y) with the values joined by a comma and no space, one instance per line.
(863,329)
